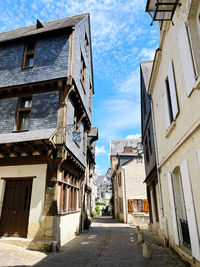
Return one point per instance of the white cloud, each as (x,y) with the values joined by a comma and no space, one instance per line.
(99,150)
(133,136)
(147,54)
(99,170)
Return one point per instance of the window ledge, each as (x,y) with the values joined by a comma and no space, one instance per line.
(61,213)
(20,131)
(26,68)
(170,129)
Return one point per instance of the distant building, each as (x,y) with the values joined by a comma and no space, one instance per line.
(128,174)
(104,189)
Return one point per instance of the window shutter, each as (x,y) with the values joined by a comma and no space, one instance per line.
(172,207)
(145,205)
(190,210)
(186,59)
(130,205)
(167,117)
(172,87)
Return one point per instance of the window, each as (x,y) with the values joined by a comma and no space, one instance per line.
(69,193)
(149,141)
(23,113)
(29,55)
(90,98)
(170,97)
(83,73)
(169,101)
(146,150)
(137,205)
(86,44)
(120,179)
(84,143)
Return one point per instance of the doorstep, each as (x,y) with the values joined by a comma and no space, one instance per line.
(34,244)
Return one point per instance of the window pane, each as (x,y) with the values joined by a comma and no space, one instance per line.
(25,121)
(29,61)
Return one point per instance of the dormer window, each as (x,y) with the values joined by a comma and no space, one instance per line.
(83,72)
(29,55)
(86,44)
(23,113)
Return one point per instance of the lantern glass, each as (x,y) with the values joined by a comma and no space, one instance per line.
(161,10)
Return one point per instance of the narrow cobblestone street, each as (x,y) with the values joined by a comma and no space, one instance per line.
(111,244)
(108,243)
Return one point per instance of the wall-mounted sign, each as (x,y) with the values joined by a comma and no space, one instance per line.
(76,136)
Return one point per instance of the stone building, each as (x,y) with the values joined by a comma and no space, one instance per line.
(151,180)
(174,86)
(104,188)
(46,90)
(128,174)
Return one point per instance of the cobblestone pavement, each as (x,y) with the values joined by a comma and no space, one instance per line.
(108,244)
(111,244)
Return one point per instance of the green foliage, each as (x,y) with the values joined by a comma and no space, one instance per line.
(97,210)
(100,203)
(93,214)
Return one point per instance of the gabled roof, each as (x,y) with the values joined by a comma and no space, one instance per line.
(48,26)
(117,146)
(146,68)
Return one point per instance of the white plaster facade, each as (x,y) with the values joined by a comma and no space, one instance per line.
(177,62)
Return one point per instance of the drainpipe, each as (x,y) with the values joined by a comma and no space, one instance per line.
(125,199)
(157,160)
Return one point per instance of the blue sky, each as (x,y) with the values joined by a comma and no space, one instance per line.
(121,39)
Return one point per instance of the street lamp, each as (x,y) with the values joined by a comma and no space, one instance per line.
(162,10)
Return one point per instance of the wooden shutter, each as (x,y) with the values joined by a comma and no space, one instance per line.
(186,59)
(190,210)
(167,117)
(172,208)
(130,205)
(145,205)
(172,88)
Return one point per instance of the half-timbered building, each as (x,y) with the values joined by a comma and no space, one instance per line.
(46,90)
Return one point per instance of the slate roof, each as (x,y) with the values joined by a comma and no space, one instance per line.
(117,146)
(27,136)
(48,26)
(146,68)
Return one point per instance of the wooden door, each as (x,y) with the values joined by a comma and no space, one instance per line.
(16,206)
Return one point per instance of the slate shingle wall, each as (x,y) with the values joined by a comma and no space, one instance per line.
(51,61)
(44,111)
(80,31)
(8,109)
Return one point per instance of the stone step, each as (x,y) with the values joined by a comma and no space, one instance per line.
(34,244)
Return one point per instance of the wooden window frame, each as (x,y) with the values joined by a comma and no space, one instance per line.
(90,98)
(138,201)
(83,73)
(21,110)
(86,44)
(69,192)
(84,143)
(29,53)
(146,149)
(169,101)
